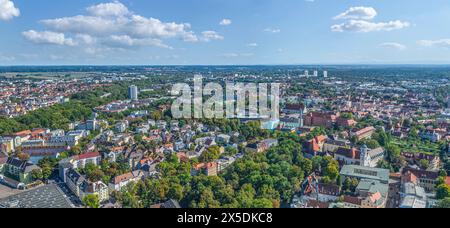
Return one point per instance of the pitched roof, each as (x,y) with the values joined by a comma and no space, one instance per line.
(23,133)
(24,166)
(88,155)
(352,200)
(352,153)
(422,173)
(75,176)
(122,178)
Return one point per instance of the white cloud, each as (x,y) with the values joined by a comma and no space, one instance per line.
(358,13)
(272,30)
(112,26)
(366,26)
(211,35)
(226,22)
(252,45)
(124,41)
(47,37)
(108,9)
(393,45)
(8,10)
(236,55)
(4,58)
(435,43)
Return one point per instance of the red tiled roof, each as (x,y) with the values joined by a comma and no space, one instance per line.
(447,181)
(23,133)
(122,178)
(88,155)
(422,173)
(352,200)
(365,130)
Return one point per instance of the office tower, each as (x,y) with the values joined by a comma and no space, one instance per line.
(133,92)
(306,73)
(325,74)
(316,73)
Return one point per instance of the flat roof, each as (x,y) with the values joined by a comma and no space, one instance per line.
(49,196)
(366,173)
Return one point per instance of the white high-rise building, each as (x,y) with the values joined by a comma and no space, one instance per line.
(133,92)
(325,74)
(306,73)
(316,73)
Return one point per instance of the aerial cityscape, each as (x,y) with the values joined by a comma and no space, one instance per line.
(105,106)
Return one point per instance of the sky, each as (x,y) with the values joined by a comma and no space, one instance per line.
(224,32)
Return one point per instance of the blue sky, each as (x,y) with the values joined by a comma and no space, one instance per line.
(48,32)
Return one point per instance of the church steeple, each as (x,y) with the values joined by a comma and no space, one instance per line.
(365,157)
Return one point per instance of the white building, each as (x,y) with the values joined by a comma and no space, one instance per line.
(133,92)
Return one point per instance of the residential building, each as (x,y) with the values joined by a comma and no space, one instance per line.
(19,171)
(209,169)
(365,133)
(133,93)
(262,146)
(95,188)
(320,119)
(431,135)
(117,183)
(427,179)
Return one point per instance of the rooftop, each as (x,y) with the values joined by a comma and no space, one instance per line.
(366,173)
(49,196)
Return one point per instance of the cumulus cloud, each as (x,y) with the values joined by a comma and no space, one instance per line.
(108,9)
(359,19)
(359,13)
(435,43)
(8,10)
(47,37)
(211,35)
(225,22)
(124,41)
(113,24)
(366,26)
(393,45)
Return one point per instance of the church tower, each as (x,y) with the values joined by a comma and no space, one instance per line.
(365,159)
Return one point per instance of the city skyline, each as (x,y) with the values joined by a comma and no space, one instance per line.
(215,33)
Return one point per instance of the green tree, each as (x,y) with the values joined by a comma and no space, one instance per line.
(393,152)
(445,203)
(211,154)
(46,172)
(91,201)
(373,144)
(443,191)
(424,164)
(156,115)
(36,174)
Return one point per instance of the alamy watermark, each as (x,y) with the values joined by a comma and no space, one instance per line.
(236,101)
